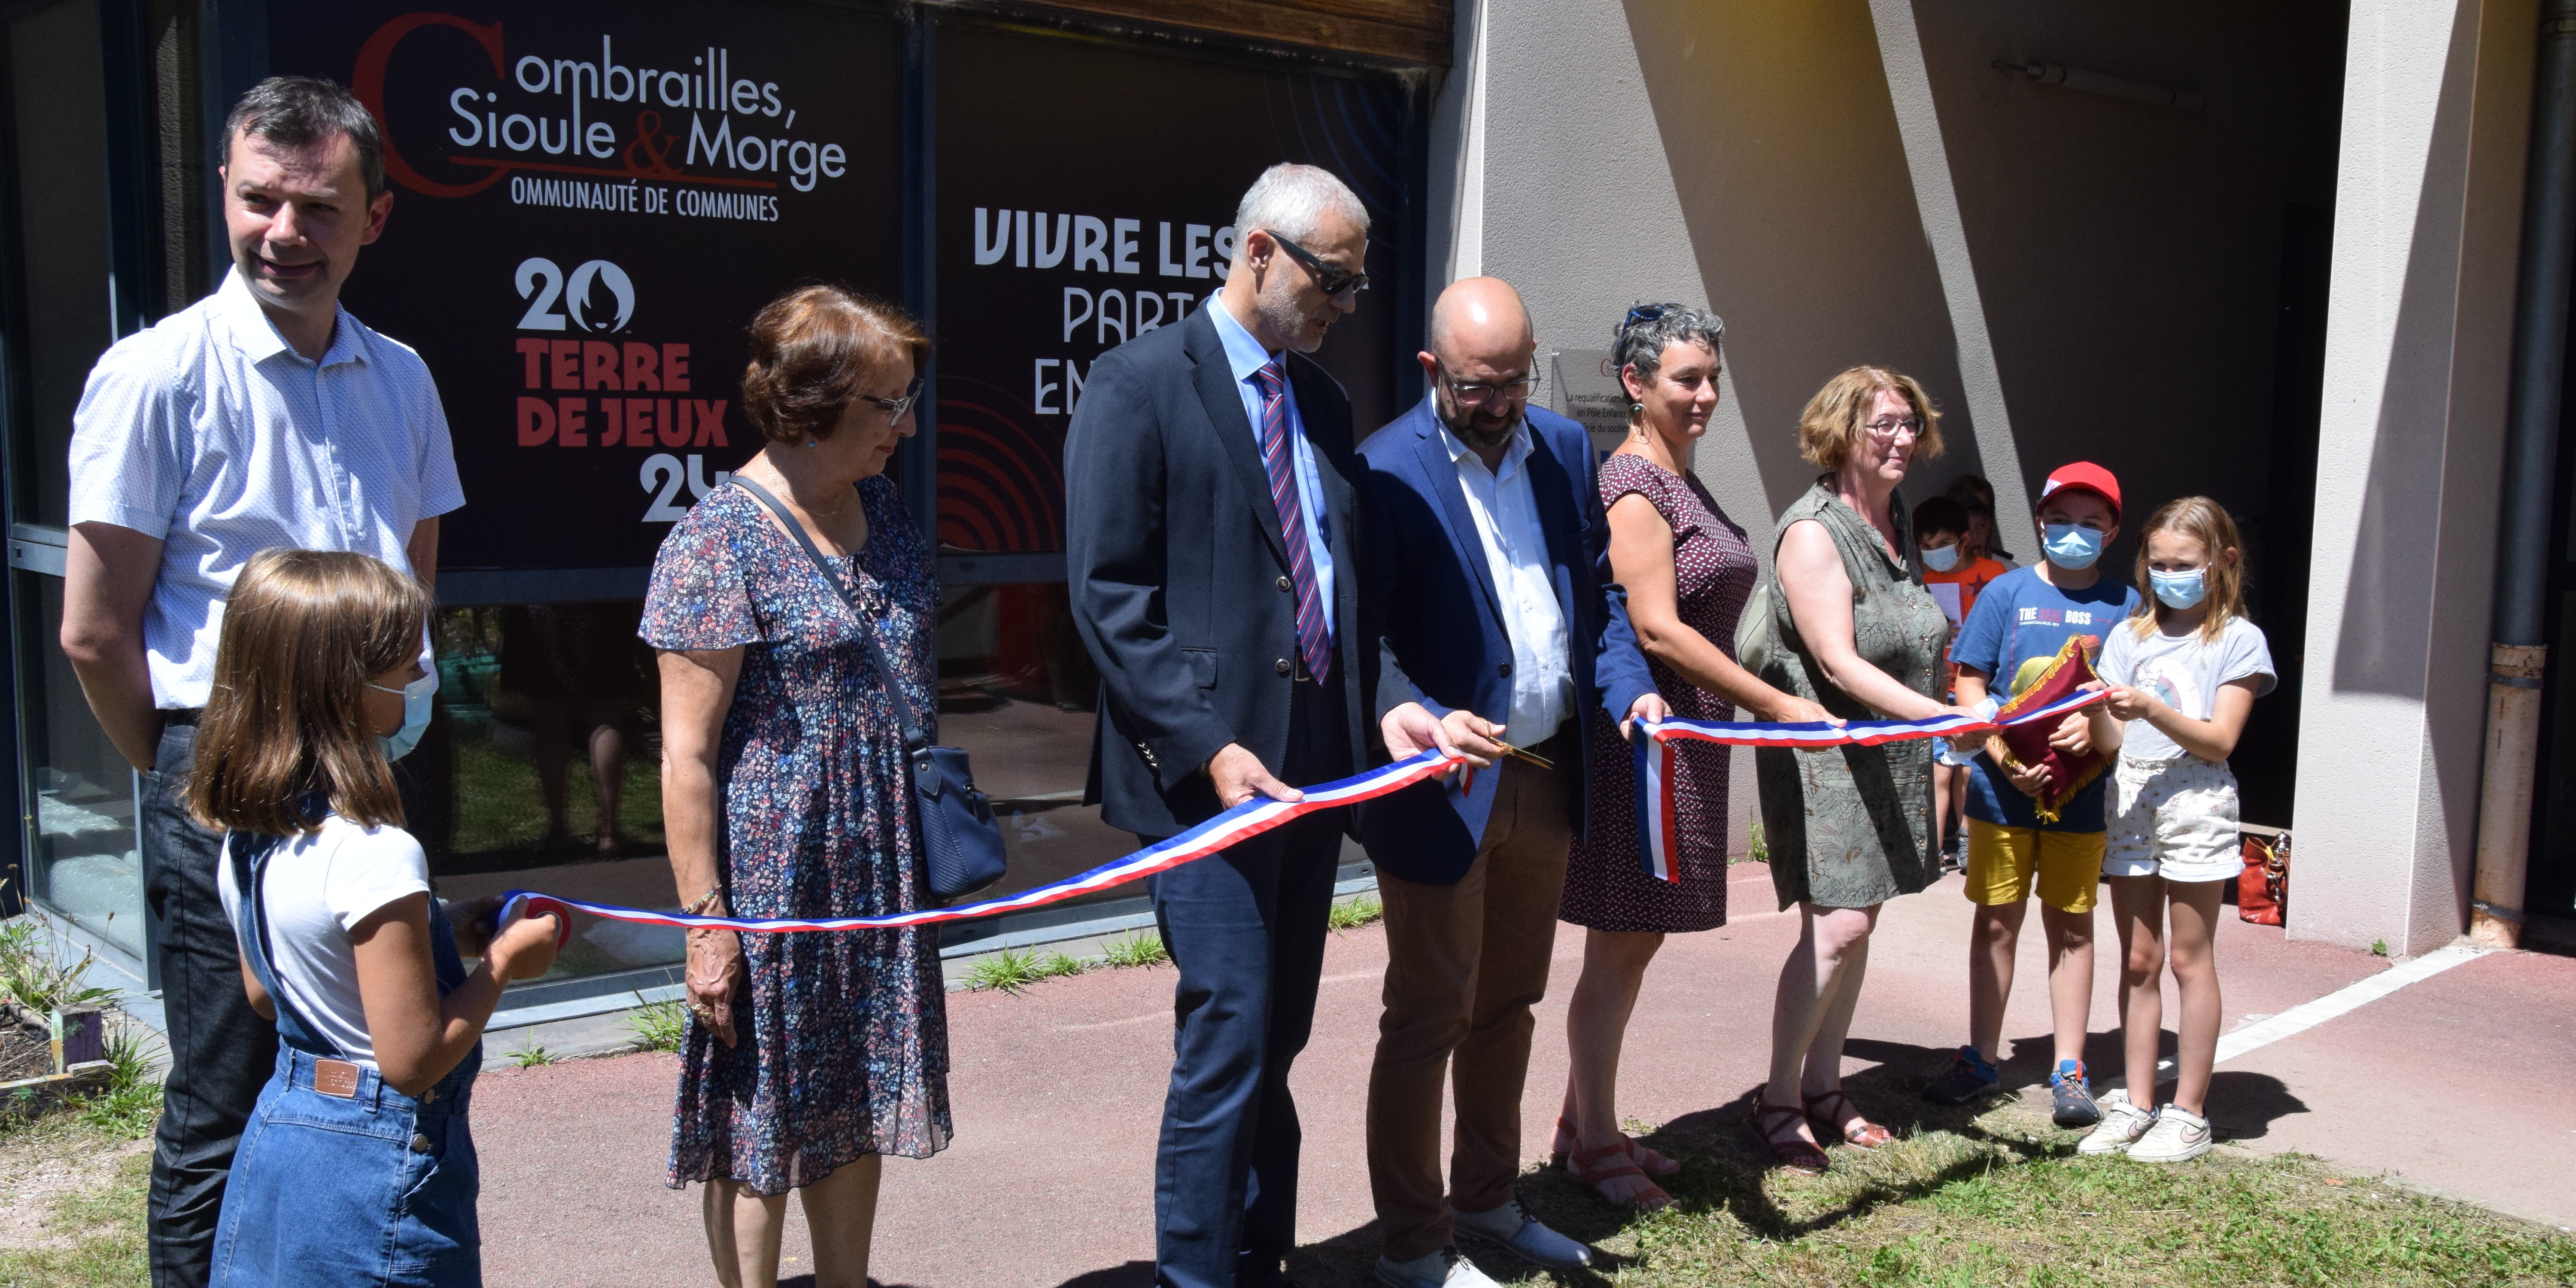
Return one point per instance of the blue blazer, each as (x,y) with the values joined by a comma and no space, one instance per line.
(1178,576)
(1442,641)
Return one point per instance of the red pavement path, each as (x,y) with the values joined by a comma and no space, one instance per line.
(1058,1094)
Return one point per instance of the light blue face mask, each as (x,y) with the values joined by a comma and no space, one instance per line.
(2179,589)
(2072,546)
(1942,558)
(416,698)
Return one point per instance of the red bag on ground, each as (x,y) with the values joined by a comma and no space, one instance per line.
(2263,889)
(2027,744)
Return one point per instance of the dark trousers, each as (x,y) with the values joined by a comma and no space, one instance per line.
(1246,929)
(221,1051)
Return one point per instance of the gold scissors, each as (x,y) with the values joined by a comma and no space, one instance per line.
(1527,757)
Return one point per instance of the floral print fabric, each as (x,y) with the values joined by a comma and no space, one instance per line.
(843,1047)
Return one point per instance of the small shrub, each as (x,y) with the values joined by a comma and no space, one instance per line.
(533,1056)
(1760,851)
(32,972)
(2379,948)
(130,1104)
(1054,964)
(659,1026)
(1356,913)
(1144,948)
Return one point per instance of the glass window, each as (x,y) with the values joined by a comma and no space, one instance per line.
(61,260)
(87,866)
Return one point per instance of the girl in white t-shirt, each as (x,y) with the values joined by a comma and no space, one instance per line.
(2183,674)
(356,1165)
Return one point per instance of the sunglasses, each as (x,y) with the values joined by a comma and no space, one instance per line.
(896,407)
(1328,279)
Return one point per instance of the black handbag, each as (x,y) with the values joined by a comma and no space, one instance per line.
(961,845)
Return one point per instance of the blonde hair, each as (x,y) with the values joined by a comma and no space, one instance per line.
(1830,430)
(2207,522)
(304,630)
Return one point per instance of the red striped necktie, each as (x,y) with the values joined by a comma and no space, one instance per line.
(1314,638)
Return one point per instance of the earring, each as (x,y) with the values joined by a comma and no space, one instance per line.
(813,442)
(1636,409)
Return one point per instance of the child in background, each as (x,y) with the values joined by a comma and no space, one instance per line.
(2184,674)
(2022,619)
(356,1166)
(1940,532)
(1972,491)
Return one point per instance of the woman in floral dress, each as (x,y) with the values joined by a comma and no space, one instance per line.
(810,1055)
(1688,571)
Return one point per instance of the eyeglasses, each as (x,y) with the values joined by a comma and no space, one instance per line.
(1328,279)
(1516,388)
(896,407)
(1886,428)
(1643,313)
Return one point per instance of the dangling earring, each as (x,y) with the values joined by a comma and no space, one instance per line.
(813,442)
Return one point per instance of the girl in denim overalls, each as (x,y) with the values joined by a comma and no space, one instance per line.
(356,1166)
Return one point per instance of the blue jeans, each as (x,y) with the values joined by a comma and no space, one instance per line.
(375,1189)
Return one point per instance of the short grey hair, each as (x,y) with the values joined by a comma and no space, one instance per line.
(1292,200)
(1650,328)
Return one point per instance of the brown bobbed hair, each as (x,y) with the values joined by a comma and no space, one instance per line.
(1830,429)
(813,350)
(2207,522)
(303,632)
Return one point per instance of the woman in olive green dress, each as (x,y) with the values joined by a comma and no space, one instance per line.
(1848,827)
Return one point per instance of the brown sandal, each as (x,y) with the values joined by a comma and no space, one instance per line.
(1652,1162)
(1652,1198)
(1825,1112)
(1795,1154)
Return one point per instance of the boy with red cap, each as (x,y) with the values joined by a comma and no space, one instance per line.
(2021,620)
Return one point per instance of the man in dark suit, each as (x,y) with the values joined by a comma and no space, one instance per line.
(1211,529)
(1487,569)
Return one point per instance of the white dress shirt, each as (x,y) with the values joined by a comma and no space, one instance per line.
(1246,356)
(1506,515)
(211,434)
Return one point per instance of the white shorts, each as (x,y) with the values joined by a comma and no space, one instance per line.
(2173,817)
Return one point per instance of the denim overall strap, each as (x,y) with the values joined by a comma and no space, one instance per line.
(250,852)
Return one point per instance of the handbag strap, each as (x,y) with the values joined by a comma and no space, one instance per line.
(914,738)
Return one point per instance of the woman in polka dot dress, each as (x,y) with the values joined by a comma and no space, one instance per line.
(1688,570)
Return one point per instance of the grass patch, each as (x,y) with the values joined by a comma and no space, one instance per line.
(1759,851)
(94,1234)
(533,1056)
(131,1103)
(1354,913)
(1144,948)
(1013,969)
(659,1026)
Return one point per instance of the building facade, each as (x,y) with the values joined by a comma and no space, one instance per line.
(2271,255)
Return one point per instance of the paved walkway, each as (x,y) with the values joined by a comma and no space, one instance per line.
(2464,1083)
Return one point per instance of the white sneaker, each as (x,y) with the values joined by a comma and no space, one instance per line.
(2121,1126)
(2179,1136)
(1442,1269)
(1524,1236)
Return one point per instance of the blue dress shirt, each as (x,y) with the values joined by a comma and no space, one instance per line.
(1247,357)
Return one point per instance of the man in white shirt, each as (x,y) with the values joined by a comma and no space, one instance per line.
(1487,565)
(263,415)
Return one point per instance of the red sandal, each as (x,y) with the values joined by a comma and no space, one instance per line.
(1795,1154)
(1650,1199)
(1645,1157)
(1825,1112)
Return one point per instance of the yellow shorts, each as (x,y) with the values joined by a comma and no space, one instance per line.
(2003,860)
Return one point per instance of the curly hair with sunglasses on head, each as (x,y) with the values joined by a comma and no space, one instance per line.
(1649,329)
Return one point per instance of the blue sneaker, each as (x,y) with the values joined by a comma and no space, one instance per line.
(2070,1095)
(1970,1077)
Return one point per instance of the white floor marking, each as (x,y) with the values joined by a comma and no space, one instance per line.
(2351,997)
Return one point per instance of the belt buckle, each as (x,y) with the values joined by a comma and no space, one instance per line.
(336,1078)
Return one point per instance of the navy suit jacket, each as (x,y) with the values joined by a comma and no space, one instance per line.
(1179,578)
(1443,642)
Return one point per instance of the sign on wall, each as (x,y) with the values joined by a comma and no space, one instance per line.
(1086,197)
(591,202)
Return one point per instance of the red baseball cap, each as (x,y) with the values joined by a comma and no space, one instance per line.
(2087,476)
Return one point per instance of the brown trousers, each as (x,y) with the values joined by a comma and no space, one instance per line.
(1465,963)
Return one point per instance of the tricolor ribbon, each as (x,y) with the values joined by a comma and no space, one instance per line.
(1232,827)
(1658,818)
(1252,818)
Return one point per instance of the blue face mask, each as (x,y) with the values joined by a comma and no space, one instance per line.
(2179,589)
(1942,558)
(416,698)
(2072,546)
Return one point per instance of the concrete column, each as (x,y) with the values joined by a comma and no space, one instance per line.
(2435,113)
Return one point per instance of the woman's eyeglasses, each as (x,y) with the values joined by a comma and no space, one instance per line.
(1328,279)
(896,407)
(1886,428)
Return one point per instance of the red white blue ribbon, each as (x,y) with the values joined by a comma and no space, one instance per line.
(1658,816)
(1230,828)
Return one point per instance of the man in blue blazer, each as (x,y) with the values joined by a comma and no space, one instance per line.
(1487,571)
(1212,528)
